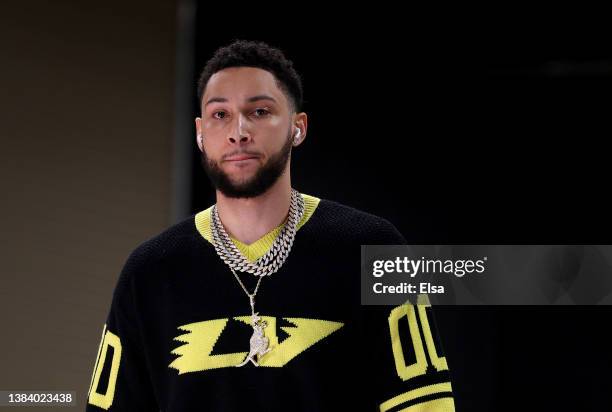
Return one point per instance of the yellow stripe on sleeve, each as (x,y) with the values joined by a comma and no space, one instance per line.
(435,405)
(417,393)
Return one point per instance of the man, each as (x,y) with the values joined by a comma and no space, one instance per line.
(254,303)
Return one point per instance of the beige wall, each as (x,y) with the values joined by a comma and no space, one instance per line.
(86,130)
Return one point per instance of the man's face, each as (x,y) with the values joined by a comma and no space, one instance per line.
(247,131)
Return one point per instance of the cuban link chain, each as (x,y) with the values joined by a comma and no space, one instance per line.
(266,265)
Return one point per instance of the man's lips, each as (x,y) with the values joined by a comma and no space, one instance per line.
(240,157)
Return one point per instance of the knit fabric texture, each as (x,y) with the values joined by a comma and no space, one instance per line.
(179,323)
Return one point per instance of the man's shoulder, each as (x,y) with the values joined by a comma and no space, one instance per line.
(349,221)
(345,212)
(177,238)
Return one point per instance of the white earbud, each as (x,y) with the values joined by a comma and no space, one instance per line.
(297,136)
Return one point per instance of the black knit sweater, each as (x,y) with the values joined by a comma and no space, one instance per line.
(179,322)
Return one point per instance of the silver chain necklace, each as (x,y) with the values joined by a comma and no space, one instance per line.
(274,258)
(266,265)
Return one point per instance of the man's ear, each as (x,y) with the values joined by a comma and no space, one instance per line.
(198,124)
(301,123)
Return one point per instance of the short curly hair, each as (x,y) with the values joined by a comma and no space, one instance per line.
(245,53)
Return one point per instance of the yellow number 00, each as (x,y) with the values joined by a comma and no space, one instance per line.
(105,400)
(408,312)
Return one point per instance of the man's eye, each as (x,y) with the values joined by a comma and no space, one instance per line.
(219,113)
(261,112)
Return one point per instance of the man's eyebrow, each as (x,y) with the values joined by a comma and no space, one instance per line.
(250,99)
(216,99)
(261,97)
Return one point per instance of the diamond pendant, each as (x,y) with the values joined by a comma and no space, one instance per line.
(258,342)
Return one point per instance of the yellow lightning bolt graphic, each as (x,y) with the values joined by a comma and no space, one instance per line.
(200,340)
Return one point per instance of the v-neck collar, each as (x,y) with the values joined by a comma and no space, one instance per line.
(255,250)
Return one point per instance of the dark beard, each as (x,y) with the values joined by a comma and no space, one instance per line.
(263,179)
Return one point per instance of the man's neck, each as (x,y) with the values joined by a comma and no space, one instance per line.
(247,220)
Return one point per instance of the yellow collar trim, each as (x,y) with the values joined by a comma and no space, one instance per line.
(258,248)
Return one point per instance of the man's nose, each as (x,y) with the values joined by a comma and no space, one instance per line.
(240,131)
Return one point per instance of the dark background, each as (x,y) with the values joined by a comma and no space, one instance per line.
(462,125)
(461,131)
